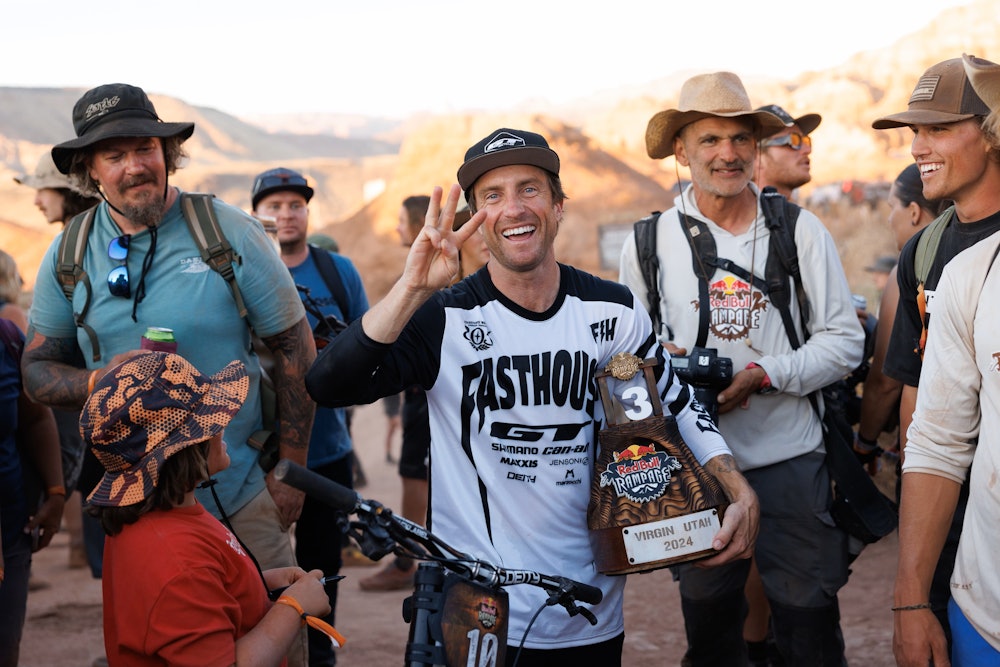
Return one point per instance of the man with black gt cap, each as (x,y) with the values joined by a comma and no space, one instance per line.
(284,194)
(143,269)
(503,355)
(783,162)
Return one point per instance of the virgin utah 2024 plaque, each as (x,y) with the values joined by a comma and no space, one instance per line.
(651,502)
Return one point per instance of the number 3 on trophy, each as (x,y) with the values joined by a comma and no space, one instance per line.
(636,404)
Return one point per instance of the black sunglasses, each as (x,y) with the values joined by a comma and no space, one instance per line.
(118,277)
(795,141)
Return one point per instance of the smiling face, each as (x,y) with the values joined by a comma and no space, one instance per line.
(522,216)
(952,159)
(720,153)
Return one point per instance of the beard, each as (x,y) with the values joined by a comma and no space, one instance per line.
(149,210)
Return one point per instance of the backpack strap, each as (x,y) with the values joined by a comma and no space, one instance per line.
(927,245)
(199,214)
(69,270)
(780,216)
(923,258)
(331,276)
(649,265)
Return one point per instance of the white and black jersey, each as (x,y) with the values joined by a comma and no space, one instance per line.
(514,413)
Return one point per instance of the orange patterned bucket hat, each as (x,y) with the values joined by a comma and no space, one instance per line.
(149,408)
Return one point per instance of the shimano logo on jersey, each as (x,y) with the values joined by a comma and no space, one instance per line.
(559,378)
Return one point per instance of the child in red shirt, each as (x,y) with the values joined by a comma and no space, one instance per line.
(179,589)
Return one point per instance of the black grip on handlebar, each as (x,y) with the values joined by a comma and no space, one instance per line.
(586,593)
(337,496)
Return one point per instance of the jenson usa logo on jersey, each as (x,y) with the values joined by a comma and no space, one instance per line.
(735,308)
(640,472)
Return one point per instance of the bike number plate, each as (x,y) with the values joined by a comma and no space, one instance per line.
(671,538)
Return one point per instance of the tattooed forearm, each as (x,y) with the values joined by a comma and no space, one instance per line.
(722,464)
(50,371)
(294,351)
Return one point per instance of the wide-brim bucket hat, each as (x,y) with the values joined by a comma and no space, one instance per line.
(112,111)
(720,95)
(146,410)
(46,175)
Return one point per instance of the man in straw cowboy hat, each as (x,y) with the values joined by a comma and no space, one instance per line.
(144,269)
(178,587)
(952,448)
(490,352)
(764,413)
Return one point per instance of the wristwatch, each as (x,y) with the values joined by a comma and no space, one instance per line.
(765,385)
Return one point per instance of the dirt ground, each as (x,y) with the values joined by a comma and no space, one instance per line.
(63,627)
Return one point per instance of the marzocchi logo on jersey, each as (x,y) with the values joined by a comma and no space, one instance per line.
(478,335)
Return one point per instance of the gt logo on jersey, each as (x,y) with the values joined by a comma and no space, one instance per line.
(478,335)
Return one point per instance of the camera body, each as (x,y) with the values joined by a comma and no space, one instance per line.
(707,373)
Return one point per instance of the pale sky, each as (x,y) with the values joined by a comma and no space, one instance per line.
(397,57)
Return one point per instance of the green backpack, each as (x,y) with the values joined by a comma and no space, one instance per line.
(216,252)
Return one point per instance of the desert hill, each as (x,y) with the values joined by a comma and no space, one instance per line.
(363,168)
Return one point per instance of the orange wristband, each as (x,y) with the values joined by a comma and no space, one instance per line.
(90,382)
(336,638)
(56,491)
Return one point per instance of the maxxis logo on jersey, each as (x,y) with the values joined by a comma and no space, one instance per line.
(640,472)
(478,335)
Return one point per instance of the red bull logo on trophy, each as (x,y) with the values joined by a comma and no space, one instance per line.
(640,472)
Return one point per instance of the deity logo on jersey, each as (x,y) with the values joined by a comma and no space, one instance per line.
(640,472)
(996,363)
(735,308)
(478,335)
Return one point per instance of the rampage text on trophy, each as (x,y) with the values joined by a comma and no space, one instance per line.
(651,502)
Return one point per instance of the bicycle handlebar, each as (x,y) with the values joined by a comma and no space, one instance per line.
(384,532)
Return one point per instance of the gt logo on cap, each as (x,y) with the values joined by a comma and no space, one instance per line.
(502,141)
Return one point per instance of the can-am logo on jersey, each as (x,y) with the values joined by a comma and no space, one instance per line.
(735,308)
(502,141)
(640,472)
(478,335)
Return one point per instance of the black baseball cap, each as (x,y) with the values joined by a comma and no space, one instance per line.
(505,147)
(279,180)
(111,111)
(807,123)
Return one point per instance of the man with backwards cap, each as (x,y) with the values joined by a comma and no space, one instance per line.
(783,162)
(947,590)
(515,346)
(284,194)
(144,269)
(764,413)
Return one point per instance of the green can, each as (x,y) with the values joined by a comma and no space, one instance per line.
(159,339)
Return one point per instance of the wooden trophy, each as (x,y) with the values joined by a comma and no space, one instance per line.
(651,502)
